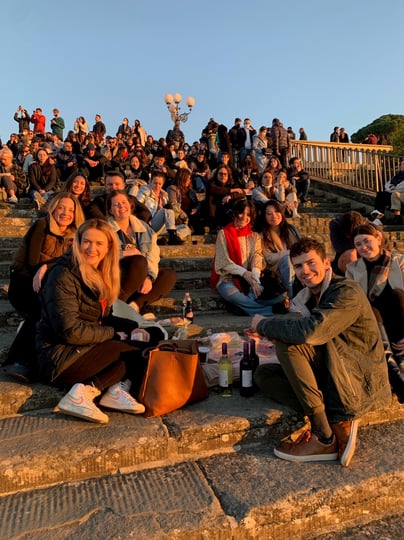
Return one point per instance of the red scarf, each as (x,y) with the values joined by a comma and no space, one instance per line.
(232,235)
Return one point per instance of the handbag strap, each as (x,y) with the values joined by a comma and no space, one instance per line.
(187,346)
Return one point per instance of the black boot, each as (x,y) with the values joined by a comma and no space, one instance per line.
(174,239)
(397,220)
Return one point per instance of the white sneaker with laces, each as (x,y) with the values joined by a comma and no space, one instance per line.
(13,199)
(79,401)
(117,397)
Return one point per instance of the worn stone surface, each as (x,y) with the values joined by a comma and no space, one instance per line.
(272,498)
(244,496)
(39,450)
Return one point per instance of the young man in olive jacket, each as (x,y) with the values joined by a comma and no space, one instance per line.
(332,365)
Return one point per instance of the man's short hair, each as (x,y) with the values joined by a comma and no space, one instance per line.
(293,160)
(306,244)
(156,173)
(114,173)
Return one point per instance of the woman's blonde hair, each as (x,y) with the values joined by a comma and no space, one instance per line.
(78,211)
(105,280)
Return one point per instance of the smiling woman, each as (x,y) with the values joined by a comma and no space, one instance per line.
(381,275)
(238,264)
(47,239)
(79,341)
(142,282)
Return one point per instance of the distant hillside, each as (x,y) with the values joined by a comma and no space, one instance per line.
(390,127)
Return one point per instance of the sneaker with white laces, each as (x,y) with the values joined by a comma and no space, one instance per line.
(79,401)
(117,397)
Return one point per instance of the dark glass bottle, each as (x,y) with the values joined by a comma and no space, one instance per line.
(254,356)
(188,313)
(246,373)
(225,373)
(255,361)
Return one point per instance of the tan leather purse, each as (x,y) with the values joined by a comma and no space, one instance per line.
(173,377)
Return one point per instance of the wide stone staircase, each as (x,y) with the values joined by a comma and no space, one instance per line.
(205,471)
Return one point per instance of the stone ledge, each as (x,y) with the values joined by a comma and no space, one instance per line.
(34,445)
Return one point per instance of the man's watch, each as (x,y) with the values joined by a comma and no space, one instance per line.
(152,279)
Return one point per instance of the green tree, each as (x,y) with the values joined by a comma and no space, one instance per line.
(389,126)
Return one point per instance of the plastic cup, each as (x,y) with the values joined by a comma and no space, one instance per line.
(203,353)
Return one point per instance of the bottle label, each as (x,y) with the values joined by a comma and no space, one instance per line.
(223,378)
(246,378)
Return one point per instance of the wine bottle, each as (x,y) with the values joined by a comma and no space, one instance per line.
(225,373)
(188,313)
(255,361)
(246,372)
(254,356)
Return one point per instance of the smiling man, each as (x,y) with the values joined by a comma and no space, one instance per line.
(332,366)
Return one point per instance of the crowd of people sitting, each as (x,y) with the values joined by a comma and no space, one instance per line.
(239,183)
(223,165)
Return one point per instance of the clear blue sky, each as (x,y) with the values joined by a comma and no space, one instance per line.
(313,64)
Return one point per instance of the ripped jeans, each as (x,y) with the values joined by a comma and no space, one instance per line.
(248,303)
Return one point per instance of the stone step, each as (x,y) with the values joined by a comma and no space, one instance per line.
(245,493)
(36,442)
(5,268)
(188,264)
(24,208)
(7,253)
(9,318)
(15,221)
(10,242)
(327,209)
(190,281)
(204,301)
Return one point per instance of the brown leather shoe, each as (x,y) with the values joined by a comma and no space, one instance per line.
(345,433)
(308,448)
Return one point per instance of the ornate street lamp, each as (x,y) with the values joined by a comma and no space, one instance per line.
(173,105)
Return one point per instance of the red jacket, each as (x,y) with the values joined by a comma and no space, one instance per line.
(39,121)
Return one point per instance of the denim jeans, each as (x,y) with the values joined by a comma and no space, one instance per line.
(287,274)
(248,303)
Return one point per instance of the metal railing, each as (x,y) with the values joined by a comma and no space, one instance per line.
(366,167)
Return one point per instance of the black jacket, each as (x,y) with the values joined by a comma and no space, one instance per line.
(70,320)
(98,209)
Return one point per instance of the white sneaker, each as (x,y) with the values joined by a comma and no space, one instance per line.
(117,397)
(79,401)
(13,200)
